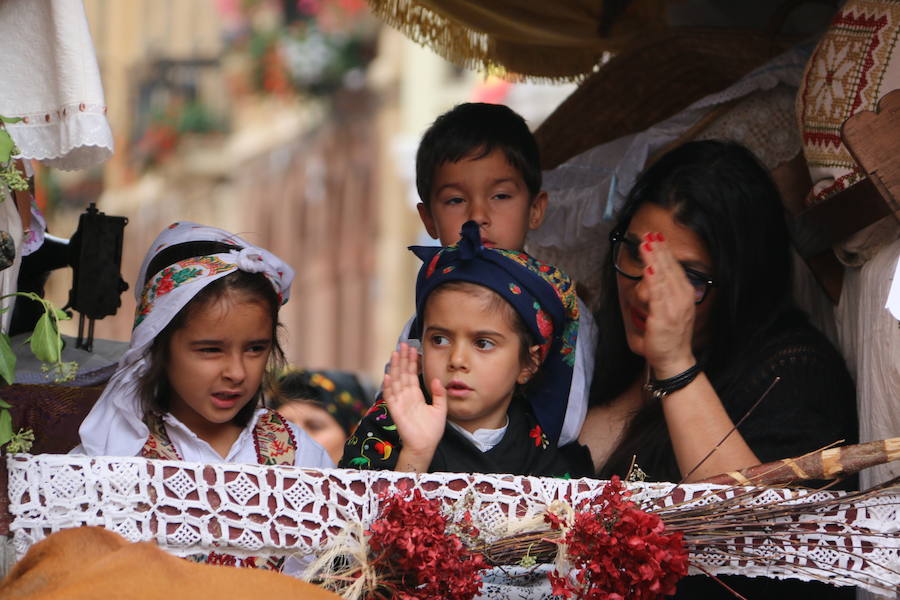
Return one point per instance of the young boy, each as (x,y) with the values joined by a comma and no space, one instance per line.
(480,162)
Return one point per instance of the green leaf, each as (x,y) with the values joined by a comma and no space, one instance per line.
(6,431)
(46,344)
(359,461)
(6,146)
(7,361)
(4,404)
(61,315)
(10,119)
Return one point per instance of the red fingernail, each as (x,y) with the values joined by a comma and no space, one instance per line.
(647,247)
(649,270)
(659,237)
(648,237)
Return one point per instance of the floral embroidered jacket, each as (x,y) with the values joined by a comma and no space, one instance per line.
(523,450)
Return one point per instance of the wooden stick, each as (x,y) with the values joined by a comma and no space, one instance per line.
(824,464)
(732,430)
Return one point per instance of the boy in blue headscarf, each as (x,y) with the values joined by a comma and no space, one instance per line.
(498,331)
(480,162)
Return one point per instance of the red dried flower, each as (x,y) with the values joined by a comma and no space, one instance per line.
(619,551)
(415,557)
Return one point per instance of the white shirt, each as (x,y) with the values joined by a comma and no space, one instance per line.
(484,439)
(582,374)
(193,449)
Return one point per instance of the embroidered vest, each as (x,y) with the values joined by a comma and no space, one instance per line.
(272,438)
(275,445)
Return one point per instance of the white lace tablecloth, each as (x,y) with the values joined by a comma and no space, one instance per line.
(245,510)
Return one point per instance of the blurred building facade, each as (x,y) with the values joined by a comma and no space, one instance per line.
(325,181)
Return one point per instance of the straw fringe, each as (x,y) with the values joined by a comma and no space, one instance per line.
(477,51)
(344,568)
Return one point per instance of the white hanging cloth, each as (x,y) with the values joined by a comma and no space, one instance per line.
(50,78)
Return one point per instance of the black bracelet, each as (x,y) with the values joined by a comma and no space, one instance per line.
(660,388)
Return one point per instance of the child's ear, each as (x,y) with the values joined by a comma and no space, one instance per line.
(428,220)
(537,209)
(534,363)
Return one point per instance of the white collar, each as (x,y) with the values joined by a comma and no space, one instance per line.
(484,439)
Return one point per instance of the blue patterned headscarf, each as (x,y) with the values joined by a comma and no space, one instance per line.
(542,295)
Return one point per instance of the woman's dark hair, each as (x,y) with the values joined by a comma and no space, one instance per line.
(720,191)
(154,387)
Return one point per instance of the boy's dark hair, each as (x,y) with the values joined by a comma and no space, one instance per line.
(154,387)
(476,127)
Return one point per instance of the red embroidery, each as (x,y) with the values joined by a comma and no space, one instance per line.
(274,440)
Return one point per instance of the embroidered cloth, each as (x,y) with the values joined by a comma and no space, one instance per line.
(856,62)
(248,510)
(273,440)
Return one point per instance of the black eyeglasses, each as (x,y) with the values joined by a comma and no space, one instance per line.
(627,261)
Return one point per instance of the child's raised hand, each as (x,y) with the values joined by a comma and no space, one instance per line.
(419,424)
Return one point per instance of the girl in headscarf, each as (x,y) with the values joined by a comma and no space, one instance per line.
(325,404)
(497,329)
(191,384)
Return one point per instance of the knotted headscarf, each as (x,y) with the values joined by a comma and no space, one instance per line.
(542,295)
(339,393)
(115,425)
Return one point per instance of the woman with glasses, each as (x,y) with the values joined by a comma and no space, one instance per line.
(697,325)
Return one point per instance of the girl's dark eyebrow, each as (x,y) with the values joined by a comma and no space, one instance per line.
(488,332)
(267,340)
(482,333)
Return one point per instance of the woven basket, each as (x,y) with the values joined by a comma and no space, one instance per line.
(650,82)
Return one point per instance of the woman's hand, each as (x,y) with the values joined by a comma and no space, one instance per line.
(419,424)
(671,310)
(695,417)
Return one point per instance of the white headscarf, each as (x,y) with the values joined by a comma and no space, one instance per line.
(115,425)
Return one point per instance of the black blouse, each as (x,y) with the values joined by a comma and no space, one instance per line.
(812,405)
